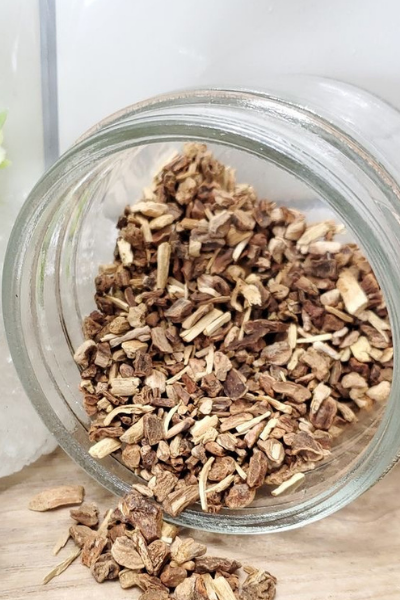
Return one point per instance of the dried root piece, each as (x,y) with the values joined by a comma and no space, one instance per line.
(223,589)
(352,293)
(178,500)
(92,548)
(258,584)
(169,532)
(166,567)
(63,495)
(212,564)
(61,567)
(87,514)
(190,334)
(291,484)
(82,354)
(203,481)
(240,496)
(105,447)
(105,568)
(163,258)
(141,513)
(61,542)
(80,534)
(124,553)
(183,551)
(233,342)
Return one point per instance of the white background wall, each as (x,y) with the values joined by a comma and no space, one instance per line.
(113,53)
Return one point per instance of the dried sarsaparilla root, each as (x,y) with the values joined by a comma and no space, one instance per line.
(135,546)
(232,341)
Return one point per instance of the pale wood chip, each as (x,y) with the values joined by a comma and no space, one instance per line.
(379,324)
(179,499)
(321,248)
(252,294)
(236,237)
(387,355)
(181,426)
(330,298)
(156,381)
(292,335)
(194,248)
(345,355)
(235,420)
(320,393)
(210,360)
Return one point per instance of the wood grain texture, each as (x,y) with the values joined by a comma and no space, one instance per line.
(352,555)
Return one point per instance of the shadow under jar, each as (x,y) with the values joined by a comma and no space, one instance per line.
(322,147)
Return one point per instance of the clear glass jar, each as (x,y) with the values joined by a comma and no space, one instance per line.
(312,144)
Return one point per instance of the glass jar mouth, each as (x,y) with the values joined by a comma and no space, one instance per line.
(274,128)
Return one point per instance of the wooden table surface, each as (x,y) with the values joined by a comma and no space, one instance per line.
(352,555)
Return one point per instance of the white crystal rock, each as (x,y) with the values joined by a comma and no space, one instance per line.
(23,437)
